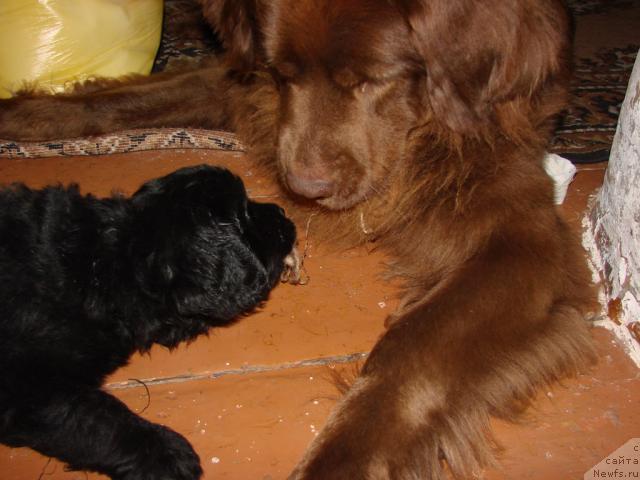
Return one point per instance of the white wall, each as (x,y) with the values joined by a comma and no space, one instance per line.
(612,226)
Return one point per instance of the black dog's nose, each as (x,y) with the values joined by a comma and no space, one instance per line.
(310,187)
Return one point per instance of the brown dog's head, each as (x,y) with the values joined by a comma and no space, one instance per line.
(360,79)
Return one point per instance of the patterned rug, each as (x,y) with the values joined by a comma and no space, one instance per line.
(607,39)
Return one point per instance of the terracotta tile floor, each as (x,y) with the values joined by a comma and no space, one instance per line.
(251,397)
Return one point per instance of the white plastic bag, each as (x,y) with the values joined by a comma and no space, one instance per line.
(561,172)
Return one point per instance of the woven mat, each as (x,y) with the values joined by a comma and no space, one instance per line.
(606,44)
(124,142)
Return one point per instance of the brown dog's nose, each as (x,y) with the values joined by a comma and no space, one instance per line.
(310,187)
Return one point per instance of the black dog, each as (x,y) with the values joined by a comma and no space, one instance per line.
(85,282)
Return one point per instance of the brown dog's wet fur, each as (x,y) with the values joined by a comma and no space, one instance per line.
(419,125)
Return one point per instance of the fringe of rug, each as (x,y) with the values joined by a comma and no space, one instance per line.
(123,142)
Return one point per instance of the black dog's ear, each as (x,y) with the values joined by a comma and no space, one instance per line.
(196,269)
(188,247)
(236,23)
(216,276)
(479,55)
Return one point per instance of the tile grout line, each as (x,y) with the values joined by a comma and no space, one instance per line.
(312,362)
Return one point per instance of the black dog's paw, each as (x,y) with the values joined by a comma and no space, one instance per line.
(164,455)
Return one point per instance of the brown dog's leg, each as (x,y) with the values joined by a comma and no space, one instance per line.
(507,323)
(191,99)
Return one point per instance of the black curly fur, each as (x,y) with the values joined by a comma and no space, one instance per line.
(86,282)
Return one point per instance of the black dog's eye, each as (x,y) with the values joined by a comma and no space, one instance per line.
(247,214)
(246,205)
(251,215)
(167,273)
(242,218)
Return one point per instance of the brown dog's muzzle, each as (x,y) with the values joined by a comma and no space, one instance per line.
(310,186)
(336,184)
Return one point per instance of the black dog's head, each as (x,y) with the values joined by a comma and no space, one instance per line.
(202,248)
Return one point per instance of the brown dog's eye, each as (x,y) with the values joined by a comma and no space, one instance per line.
(286,72)
(348,79)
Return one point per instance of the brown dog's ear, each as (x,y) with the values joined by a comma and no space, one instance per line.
(479,54)
(235,23)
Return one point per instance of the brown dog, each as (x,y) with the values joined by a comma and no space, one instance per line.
(420,124)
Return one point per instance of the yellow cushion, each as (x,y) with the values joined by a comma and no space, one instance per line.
(54,43)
